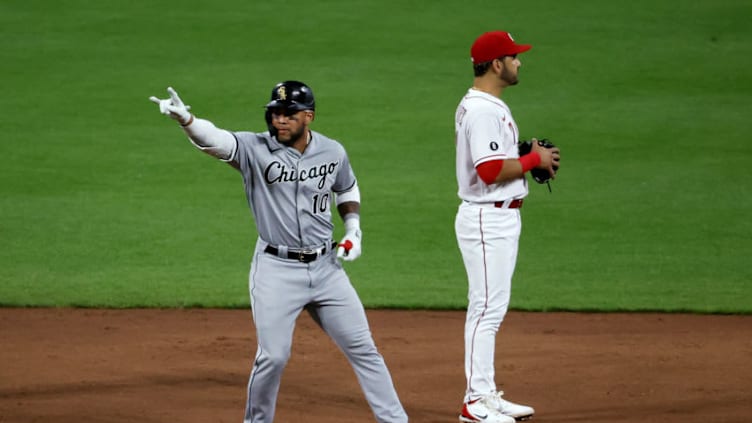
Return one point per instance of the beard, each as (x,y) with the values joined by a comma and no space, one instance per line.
(509,77)
(291,137)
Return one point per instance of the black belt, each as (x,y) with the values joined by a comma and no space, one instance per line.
(303,256)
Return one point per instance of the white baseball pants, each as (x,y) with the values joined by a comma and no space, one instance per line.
(488,239)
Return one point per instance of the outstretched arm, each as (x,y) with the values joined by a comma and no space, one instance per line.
(203,134)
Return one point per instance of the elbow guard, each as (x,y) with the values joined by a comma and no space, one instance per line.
(352,195)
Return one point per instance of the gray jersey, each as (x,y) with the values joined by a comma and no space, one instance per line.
(289,193)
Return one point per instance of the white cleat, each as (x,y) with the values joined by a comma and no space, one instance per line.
(508,408)
(483,410)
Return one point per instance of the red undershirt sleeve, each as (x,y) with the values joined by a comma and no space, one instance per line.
(488,171)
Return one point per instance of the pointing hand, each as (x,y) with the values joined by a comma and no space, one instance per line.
(174,107)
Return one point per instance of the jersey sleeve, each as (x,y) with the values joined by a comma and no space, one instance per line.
(242,158)
(486,138)
(345,179)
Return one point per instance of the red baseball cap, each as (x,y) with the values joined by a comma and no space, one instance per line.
(495,44)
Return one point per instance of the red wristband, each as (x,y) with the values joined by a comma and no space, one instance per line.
(530,161)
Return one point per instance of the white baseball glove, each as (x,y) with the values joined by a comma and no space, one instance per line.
(174,107)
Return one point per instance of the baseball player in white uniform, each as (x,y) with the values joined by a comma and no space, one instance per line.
(292,177)
(492,186)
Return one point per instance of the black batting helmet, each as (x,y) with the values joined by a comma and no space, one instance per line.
(292,95)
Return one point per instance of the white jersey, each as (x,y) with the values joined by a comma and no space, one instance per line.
(485,130)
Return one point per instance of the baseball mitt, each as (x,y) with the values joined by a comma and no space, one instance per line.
(540,176)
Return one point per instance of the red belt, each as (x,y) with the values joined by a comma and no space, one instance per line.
(514,204)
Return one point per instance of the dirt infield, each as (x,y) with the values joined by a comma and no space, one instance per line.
(83,365)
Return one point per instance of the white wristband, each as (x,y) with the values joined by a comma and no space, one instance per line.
(352,222)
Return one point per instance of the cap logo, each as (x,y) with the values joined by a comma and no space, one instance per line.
(282,93)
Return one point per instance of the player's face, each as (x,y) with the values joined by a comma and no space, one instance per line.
(510,70)
(291,126)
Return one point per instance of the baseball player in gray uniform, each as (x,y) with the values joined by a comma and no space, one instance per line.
(292,177)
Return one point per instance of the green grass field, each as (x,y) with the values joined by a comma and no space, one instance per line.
(103,201)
